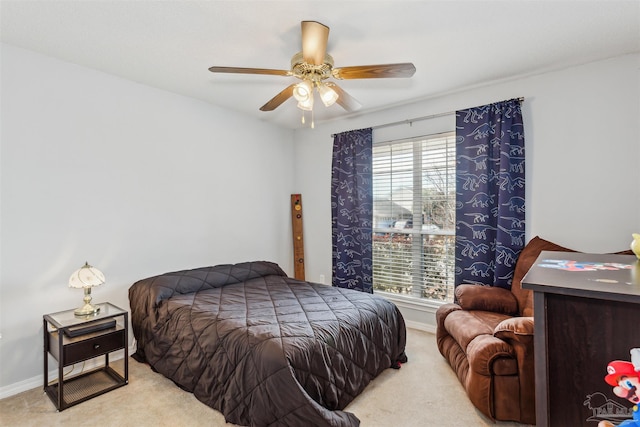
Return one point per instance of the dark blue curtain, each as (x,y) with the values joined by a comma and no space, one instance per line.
(352,210)
(490,184)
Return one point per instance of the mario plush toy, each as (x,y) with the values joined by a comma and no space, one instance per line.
(624,377)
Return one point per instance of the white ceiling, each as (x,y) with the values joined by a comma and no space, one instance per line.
(453,44)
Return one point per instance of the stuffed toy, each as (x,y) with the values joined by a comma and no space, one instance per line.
(624,377)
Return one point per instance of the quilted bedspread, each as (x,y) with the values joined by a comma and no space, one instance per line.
(262,348)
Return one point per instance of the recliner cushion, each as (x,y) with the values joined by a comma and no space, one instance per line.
(464,326)
(487,298)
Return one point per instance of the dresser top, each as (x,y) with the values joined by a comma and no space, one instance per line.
(606,276)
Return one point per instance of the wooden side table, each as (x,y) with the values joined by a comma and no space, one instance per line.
(586,316)
(71,339)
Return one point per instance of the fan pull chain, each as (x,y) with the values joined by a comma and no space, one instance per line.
(312,119)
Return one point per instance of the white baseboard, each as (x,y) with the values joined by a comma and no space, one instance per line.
(420,326)
(38,381)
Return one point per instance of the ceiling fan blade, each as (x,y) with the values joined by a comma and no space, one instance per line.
(277,100)
(405,69)
(314,42)
(241,70)
(345,100)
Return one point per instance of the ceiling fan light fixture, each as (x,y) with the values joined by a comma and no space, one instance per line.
(328,95)
(306,105)
(302,92)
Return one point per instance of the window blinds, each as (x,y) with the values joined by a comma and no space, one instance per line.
(414,216)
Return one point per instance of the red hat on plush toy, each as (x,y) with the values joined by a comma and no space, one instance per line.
(617,369)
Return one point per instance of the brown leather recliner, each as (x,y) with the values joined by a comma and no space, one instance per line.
(487,338)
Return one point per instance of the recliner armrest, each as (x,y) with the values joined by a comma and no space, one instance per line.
(485,350)
(441,313)
(486,298)
(515,328)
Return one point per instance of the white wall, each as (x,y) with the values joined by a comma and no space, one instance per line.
(134,180)
(582,131)
(139,181)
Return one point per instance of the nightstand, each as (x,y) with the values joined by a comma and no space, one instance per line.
(71,339)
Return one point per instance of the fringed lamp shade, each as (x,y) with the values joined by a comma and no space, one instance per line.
(86,277)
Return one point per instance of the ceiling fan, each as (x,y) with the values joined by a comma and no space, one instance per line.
(313,65)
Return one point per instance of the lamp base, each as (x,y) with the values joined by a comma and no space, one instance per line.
(87,310)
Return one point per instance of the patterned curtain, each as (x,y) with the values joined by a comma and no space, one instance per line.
(490,208)
(352,210)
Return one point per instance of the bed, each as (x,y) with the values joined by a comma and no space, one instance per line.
(262,348)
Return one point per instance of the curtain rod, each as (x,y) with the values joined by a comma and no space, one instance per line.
(417,119)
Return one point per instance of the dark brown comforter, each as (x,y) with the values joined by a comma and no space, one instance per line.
(262,348)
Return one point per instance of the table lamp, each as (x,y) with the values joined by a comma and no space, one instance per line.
(86,277)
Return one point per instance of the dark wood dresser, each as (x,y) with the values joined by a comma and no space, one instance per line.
(586,314)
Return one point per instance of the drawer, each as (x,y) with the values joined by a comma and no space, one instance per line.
(85,347)
(92,347)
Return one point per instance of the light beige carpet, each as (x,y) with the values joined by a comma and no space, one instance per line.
(424,392)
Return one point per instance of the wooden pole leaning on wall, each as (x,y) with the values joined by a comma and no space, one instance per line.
(298,240)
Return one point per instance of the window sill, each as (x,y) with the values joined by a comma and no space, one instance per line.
(412,302)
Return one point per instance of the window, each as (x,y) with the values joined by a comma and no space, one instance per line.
(414,217)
